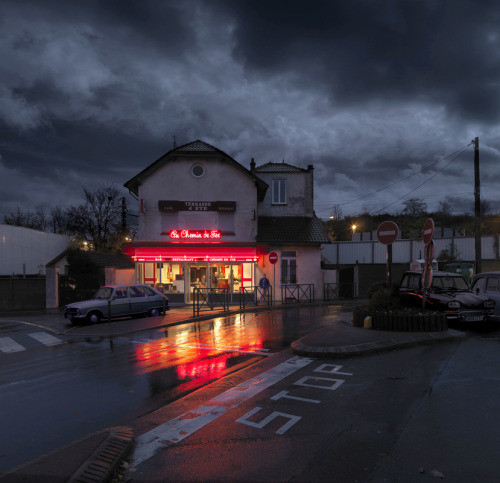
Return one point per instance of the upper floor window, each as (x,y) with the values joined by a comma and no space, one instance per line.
(279,191)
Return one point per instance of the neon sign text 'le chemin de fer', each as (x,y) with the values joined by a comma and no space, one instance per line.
(195,234)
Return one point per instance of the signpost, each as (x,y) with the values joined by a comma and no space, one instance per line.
(387,233)
(429,256)
(273,258)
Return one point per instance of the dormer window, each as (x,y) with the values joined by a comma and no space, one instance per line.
(279,191)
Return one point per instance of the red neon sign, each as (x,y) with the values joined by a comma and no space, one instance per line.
(195,234)
(180,253)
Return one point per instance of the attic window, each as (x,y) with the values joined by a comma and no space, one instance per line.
(198,170)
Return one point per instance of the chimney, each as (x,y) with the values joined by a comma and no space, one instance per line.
(252,165)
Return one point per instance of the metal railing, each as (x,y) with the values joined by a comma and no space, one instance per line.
(339,291)
(209,298)
(301,293)
(255,296)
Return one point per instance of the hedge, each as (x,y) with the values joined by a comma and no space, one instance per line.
(427,322)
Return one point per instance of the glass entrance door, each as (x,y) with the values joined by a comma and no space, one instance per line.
(196,278)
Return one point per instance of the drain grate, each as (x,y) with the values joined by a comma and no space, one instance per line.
(103,462)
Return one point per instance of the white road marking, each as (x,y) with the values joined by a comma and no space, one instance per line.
(275,414)
(335,385)
(331,369)
(186,424)
(284,394)
(10,345)
(45,338)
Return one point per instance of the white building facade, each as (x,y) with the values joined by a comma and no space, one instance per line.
(24,251)
(206,221)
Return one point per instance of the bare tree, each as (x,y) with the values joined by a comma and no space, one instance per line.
(98,220)
(54,221)
(414,207)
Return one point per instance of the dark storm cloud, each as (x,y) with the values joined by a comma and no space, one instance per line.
(444,52)
(369,92)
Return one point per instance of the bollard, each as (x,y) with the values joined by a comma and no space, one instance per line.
(367,322)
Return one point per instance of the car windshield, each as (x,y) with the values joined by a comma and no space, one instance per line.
(449,283)
(103,293)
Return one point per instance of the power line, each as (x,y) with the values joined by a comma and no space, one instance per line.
(403,179)
(426,181)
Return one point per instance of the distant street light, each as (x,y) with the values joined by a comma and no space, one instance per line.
(353,228)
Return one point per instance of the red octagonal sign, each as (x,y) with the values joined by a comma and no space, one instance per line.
(428,230)
(273,257)
(387,232)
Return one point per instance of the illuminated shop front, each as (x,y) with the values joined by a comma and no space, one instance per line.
(179,268)
(207,222)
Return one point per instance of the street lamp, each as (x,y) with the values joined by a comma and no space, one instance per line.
(353,229)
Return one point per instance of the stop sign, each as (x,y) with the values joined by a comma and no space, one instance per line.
(428,230)
(387,232)
(273,257)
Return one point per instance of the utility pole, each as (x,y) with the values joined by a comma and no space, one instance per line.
(477,206)
(124,215)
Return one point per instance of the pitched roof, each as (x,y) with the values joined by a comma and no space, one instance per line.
(195,148)
(278,168)
(291,229)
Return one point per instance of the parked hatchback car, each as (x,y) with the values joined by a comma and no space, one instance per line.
(449,293)
(488,283)
(118,301)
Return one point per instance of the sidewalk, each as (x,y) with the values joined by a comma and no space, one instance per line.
(98,457)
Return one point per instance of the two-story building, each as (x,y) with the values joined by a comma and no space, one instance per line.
(207,221)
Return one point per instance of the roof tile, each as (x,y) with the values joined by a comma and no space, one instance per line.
(291,229)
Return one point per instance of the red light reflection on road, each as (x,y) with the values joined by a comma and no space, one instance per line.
(196,354)
(204,368)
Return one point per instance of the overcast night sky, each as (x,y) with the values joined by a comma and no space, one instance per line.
(375,94)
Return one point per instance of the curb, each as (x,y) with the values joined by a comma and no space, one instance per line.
(298,347)
(101,453)
(105,460)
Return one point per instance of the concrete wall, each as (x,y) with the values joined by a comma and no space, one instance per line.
(299,194)
(308,269)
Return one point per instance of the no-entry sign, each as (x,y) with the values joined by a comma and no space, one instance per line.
(428,230)
(273,257)
(387,232)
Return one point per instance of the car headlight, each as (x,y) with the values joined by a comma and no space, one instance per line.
(454,304)
(489,304)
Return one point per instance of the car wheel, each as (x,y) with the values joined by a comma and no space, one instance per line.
(94,317)
(154,312)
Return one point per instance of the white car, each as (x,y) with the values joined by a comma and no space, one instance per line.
(113,301)
(488,283)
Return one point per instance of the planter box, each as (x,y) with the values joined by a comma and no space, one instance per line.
(431,322)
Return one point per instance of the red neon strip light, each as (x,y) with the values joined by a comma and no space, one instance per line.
(188,254)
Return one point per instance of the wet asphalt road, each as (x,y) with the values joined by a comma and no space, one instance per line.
(59,382)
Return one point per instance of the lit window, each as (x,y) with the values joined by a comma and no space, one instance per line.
(279,191)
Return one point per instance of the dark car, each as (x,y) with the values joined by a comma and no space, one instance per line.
(449,293)
(118,301)
(488,283)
